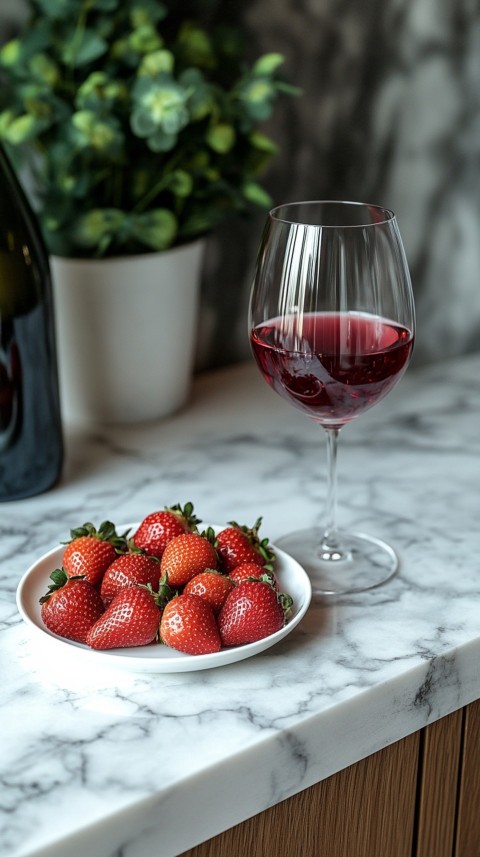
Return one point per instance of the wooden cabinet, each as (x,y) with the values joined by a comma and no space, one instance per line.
(467,834)
(438,770)
(417,798)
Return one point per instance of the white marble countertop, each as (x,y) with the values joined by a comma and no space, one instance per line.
(107,764)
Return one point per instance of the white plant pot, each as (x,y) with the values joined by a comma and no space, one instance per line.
(126,333)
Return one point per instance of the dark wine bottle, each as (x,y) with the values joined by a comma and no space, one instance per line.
(31,443)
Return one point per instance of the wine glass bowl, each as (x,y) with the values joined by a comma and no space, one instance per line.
(331,324)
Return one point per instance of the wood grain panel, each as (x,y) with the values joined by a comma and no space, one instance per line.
(437,799)
(468,821)
(366,810)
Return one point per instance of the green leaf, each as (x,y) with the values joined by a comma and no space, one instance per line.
(195,46)
(142,123)
(259,91)
(180,183)
(253,192)
(57,9)
(101,95)
(44,69)
(38,106)
(287,89)
(159,106)
(59,576)
(268,64)
(22,129)
(145,39)
(221,137)
(16,53)
(156,229)
(10,53)
(83,49)
(201,95)
(97,225)
(147,11)
(258,111)
(161,142)
(93,85)
(103,136)
(263,143)
(6,119)
(156,62)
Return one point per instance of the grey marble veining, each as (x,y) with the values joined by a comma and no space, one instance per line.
(104,763)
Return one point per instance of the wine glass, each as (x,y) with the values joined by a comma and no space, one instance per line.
(332,325)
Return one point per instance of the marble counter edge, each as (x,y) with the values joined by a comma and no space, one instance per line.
(225,794)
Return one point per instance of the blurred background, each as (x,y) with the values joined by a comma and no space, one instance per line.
(390,114)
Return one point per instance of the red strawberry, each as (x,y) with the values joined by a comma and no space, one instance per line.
(185,556)
(210,585)
(131,619)
(71,606)
(237,544)
(127,570)
(90,551)
(252,611)
(247,570)
(158,528)
(188,625)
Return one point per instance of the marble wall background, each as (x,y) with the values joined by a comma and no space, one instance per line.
(390,113)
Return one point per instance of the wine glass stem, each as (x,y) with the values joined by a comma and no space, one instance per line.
(330,546)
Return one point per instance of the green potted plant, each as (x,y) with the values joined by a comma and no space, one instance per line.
(141,131)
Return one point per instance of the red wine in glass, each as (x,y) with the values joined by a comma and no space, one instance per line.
(334,366)
(332,325)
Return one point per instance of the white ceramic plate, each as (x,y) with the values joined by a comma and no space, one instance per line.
(156,657)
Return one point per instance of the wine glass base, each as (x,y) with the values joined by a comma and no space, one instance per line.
(362,563)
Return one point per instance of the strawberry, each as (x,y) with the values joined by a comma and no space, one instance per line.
(211,586)
(131,619)
(237,544)
(71,606)
(158,528)
(252,611)
(188,625)
(249,570)
(127,570)
(185,556)
(90,551)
